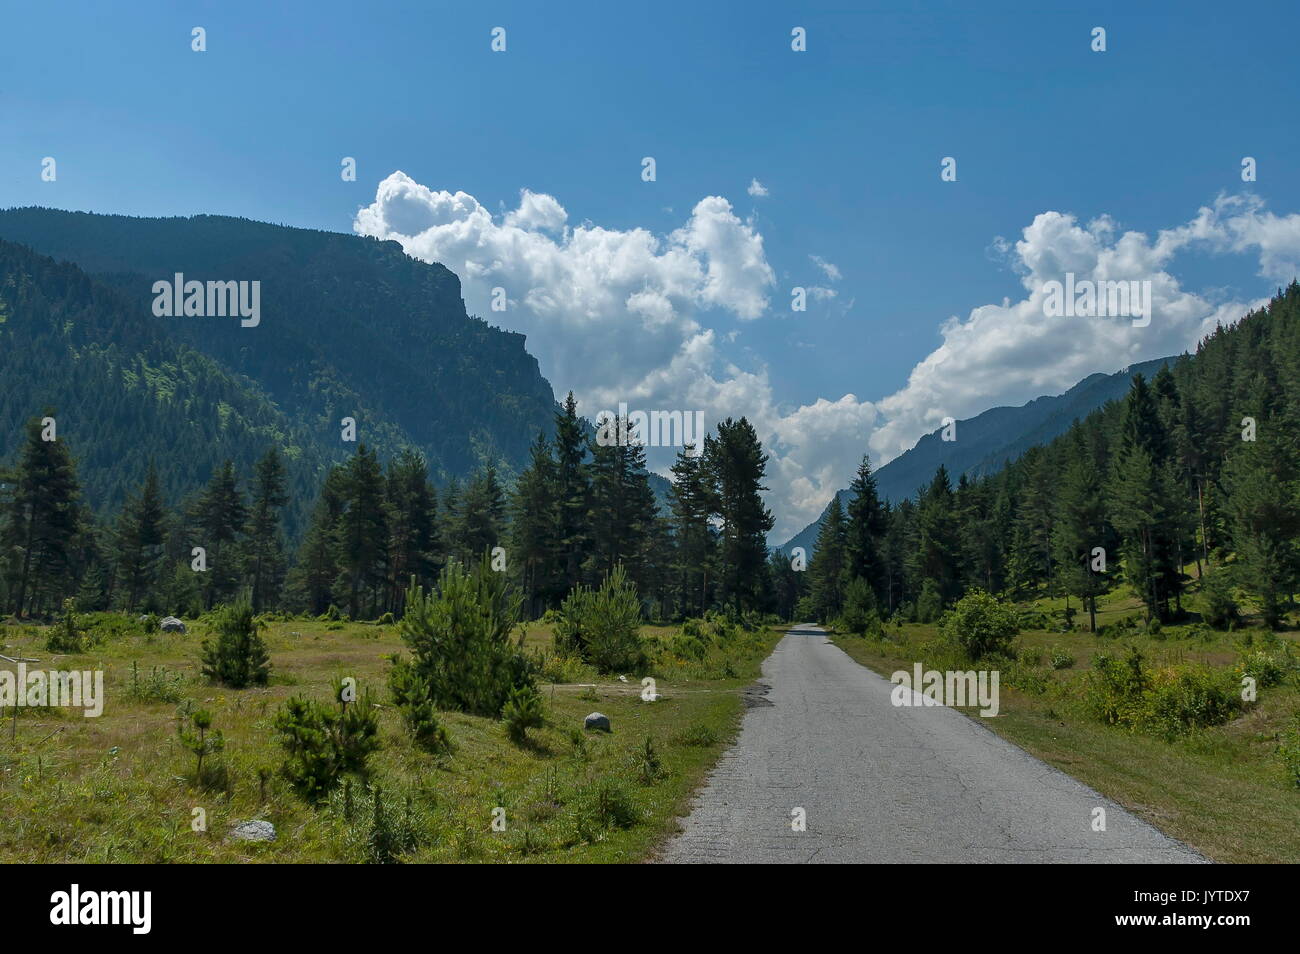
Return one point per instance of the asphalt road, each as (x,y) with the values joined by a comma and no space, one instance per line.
(880,783)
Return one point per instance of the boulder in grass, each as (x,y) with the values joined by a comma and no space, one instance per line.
(597,722)
(253,831)
(171,624)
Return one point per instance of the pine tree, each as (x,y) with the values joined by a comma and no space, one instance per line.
(1145,503)
(938,553)
(622,509)
(865,531)
(737,465)
(1263,482)
(571,490)
(829,570)
(42,524)
(413,547)
(265,549)
(535,530)
(219,518)
(363,532)
(481,526)
(1079,527)
(141,532)
(692,498)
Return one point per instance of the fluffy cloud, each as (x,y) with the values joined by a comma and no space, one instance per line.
(623,315)
(757,189)
(1010,352)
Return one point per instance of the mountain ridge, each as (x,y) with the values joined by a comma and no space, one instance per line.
(1033,423)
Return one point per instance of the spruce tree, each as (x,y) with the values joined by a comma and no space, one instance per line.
(42,524)
(829,568)
(865,531)
(572,490)
(737,466)
(264,551)
(141,532)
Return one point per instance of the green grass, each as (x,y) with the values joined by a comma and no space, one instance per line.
(1221,789)
(119,788)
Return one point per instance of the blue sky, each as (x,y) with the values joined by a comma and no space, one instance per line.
(846,138)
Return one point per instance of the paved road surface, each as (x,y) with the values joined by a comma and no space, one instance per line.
(881,783)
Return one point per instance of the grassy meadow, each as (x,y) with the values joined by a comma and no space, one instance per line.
(121,788)
(1223,789)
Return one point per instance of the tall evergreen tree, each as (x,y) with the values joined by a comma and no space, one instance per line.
(738,465)
(219,518)
(141,532)
(363,532)
(264,550)
(829,570)
(42,524)
(571,490)
(535,530)
(692,498)
(865,532)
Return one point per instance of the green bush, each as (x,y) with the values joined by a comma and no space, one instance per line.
(604,627)
(602,806)
(522,711)
(195,738)
(158,686)
(1189,698)
(859,615)
(1169,702)
(1114,691)
(238,656)
(66,635)
(323,745)
(981,625)
(413,700)
(1263,667)
(1061,659)
(460,640)
(1221,609)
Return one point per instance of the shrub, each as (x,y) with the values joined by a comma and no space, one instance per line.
(1190,698)
(1114,690)
(377,833)
(460,639)
(159,686)
(604,627)
(981,625)
(1061,659)
(604,805)
(859,615)
(387,620)
(322,745)
(66,636)
(413,700)
(522,711)
(237,657)
(196,739)
(649,766)
(1221,609)
(1170,702)
(1262,667)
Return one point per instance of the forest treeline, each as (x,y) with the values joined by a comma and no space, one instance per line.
(1197,467)
(577,512)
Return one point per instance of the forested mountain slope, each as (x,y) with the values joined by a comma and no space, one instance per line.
(350,327)
(987,441)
